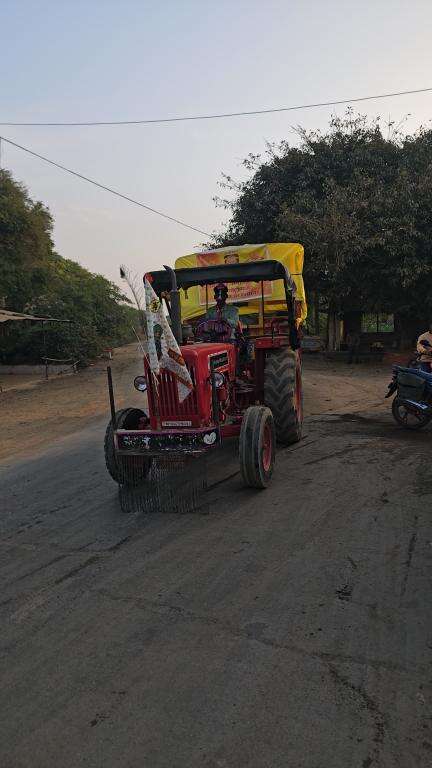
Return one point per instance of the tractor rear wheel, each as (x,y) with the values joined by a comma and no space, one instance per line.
(283,394)
(257,446)
(128,470)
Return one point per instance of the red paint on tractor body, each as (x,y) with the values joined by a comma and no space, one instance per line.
(166,412)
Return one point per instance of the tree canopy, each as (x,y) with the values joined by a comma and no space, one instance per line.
(35,279)
(358,201)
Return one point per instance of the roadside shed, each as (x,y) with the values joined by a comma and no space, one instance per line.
(7,317)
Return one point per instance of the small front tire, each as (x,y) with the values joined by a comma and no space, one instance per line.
(257,446)
(125,470)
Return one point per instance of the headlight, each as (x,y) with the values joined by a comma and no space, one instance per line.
(219,379)
(140,383)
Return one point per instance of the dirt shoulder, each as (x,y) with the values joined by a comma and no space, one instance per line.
(32,418)
(340,388)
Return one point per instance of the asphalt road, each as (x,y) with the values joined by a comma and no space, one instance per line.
(288,628)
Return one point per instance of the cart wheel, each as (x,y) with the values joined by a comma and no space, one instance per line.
(129,470)
(409,417)
(257,446)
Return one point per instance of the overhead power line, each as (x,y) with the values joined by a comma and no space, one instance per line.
(107,189)
(221,115)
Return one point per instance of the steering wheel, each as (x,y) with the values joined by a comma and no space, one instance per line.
(213,330)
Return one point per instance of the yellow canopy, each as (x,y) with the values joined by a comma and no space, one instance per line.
(193,301)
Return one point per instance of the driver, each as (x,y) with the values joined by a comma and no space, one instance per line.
(224,311)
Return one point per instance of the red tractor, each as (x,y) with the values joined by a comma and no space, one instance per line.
(248,386)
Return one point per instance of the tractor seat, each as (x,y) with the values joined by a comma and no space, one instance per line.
(244,387)
(417,372)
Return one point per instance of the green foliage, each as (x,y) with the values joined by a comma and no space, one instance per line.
(25,243)
(360,203)
(35,279)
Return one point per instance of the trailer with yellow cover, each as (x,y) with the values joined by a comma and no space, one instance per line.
(256,301)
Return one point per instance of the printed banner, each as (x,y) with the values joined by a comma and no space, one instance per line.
(171,358)
(236,291)
(248,294)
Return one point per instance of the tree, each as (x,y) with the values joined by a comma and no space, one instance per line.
(360,204)
(25,243)
(34,278)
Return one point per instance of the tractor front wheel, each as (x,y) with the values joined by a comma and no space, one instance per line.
(257,446)
(125,470)
(283,394)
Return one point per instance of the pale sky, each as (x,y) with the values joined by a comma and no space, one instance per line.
(106,60)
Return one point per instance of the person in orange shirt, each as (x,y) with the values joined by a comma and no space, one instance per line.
(424,348)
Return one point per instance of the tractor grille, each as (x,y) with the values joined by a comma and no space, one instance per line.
(169,406)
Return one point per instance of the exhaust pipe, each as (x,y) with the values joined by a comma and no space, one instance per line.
(175,306)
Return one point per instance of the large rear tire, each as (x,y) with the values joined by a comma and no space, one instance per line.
(283,394)
(409,417)
(125,470)
(257,446)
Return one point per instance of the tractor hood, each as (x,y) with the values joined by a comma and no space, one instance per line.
(206,357)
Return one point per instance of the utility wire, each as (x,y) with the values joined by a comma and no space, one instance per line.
(222,115)
(107,189)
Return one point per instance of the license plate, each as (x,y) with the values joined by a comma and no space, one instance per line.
(176,423)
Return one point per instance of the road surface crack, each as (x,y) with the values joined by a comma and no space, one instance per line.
(336,454)
(324,657)
(410,553)
(42,567)
(74,571)
(370,705)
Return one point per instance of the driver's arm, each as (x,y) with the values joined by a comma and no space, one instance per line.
(233,318)
(210,314)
